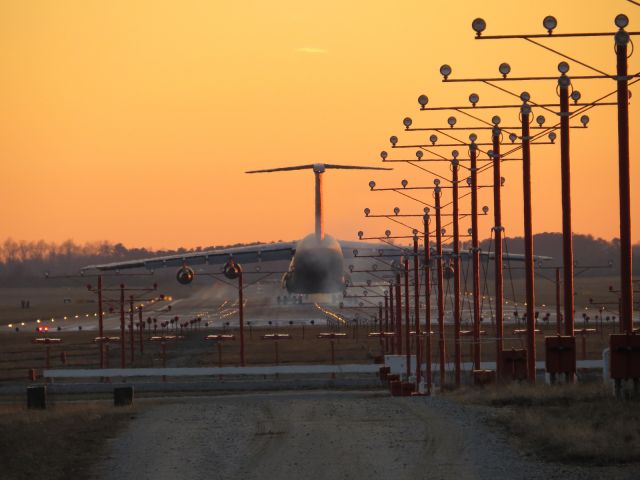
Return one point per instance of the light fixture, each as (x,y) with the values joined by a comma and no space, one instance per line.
(479,26)
(433,139)
(445,71)
(451,121)
(419,154)
(384,155)
(407,122)
(621,21)
(575,96)
(550,23)
(393,139)
(404,183)
(504,69)
(367,212)
(372,184)
(563,67)
(474,99)
(423,100)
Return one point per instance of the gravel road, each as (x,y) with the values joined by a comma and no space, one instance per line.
(320,435)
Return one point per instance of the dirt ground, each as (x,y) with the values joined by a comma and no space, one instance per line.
(323,435)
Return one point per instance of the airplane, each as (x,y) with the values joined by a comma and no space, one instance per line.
(317,262)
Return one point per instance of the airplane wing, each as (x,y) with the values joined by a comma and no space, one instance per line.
(253,254)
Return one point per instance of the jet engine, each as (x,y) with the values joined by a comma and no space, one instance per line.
(185,275)
(231,270)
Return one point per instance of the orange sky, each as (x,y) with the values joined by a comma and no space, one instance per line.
(134,121)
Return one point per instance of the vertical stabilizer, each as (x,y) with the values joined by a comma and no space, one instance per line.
(318,170)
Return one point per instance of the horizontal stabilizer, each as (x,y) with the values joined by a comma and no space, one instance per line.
(318,168)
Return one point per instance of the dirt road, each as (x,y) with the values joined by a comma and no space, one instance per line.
(318,435)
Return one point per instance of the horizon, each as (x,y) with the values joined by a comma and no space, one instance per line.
(255,242)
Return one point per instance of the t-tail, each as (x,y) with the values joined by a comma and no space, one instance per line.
(318,170)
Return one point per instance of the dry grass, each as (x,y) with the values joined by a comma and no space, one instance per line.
(572,424)
(18,354)
(60,443)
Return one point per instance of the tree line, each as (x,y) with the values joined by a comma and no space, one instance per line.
(25,262)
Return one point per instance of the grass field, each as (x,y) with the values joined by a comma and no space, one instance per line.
(59,443)
(571,423)
(19,354)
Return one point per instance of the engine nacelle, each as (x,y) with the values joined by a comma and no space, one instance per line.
(231,270)
(185,275)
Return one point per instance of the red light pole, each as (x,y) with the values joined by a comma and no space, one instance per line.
(441,335)
(399,312)
(427,299)
(407,316)
(558,304)
(565,166)
(525,113)
(122,344)
(392,317)
(456,268)
(241,311)
(381,327)
(416,290)
(386,321)
(626,279)
(141,330)
(498,229)
(131,330)
(100,320)
(475,254)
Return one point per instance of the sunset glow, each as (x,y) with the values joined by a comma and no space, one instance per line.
(134,122)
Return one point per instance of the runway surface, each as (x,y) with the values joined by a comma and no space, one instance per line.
(265,305)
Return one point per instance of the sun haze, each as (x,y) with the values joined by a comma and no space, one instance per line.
(133,122)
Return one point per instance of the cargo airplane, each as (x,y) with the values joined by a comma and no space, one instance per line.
(317,262)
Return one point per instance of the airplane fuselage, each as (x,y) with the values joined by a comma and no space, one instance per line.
(317,266)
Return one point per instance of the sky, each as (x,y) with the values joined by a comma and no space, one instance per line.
(134,121)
